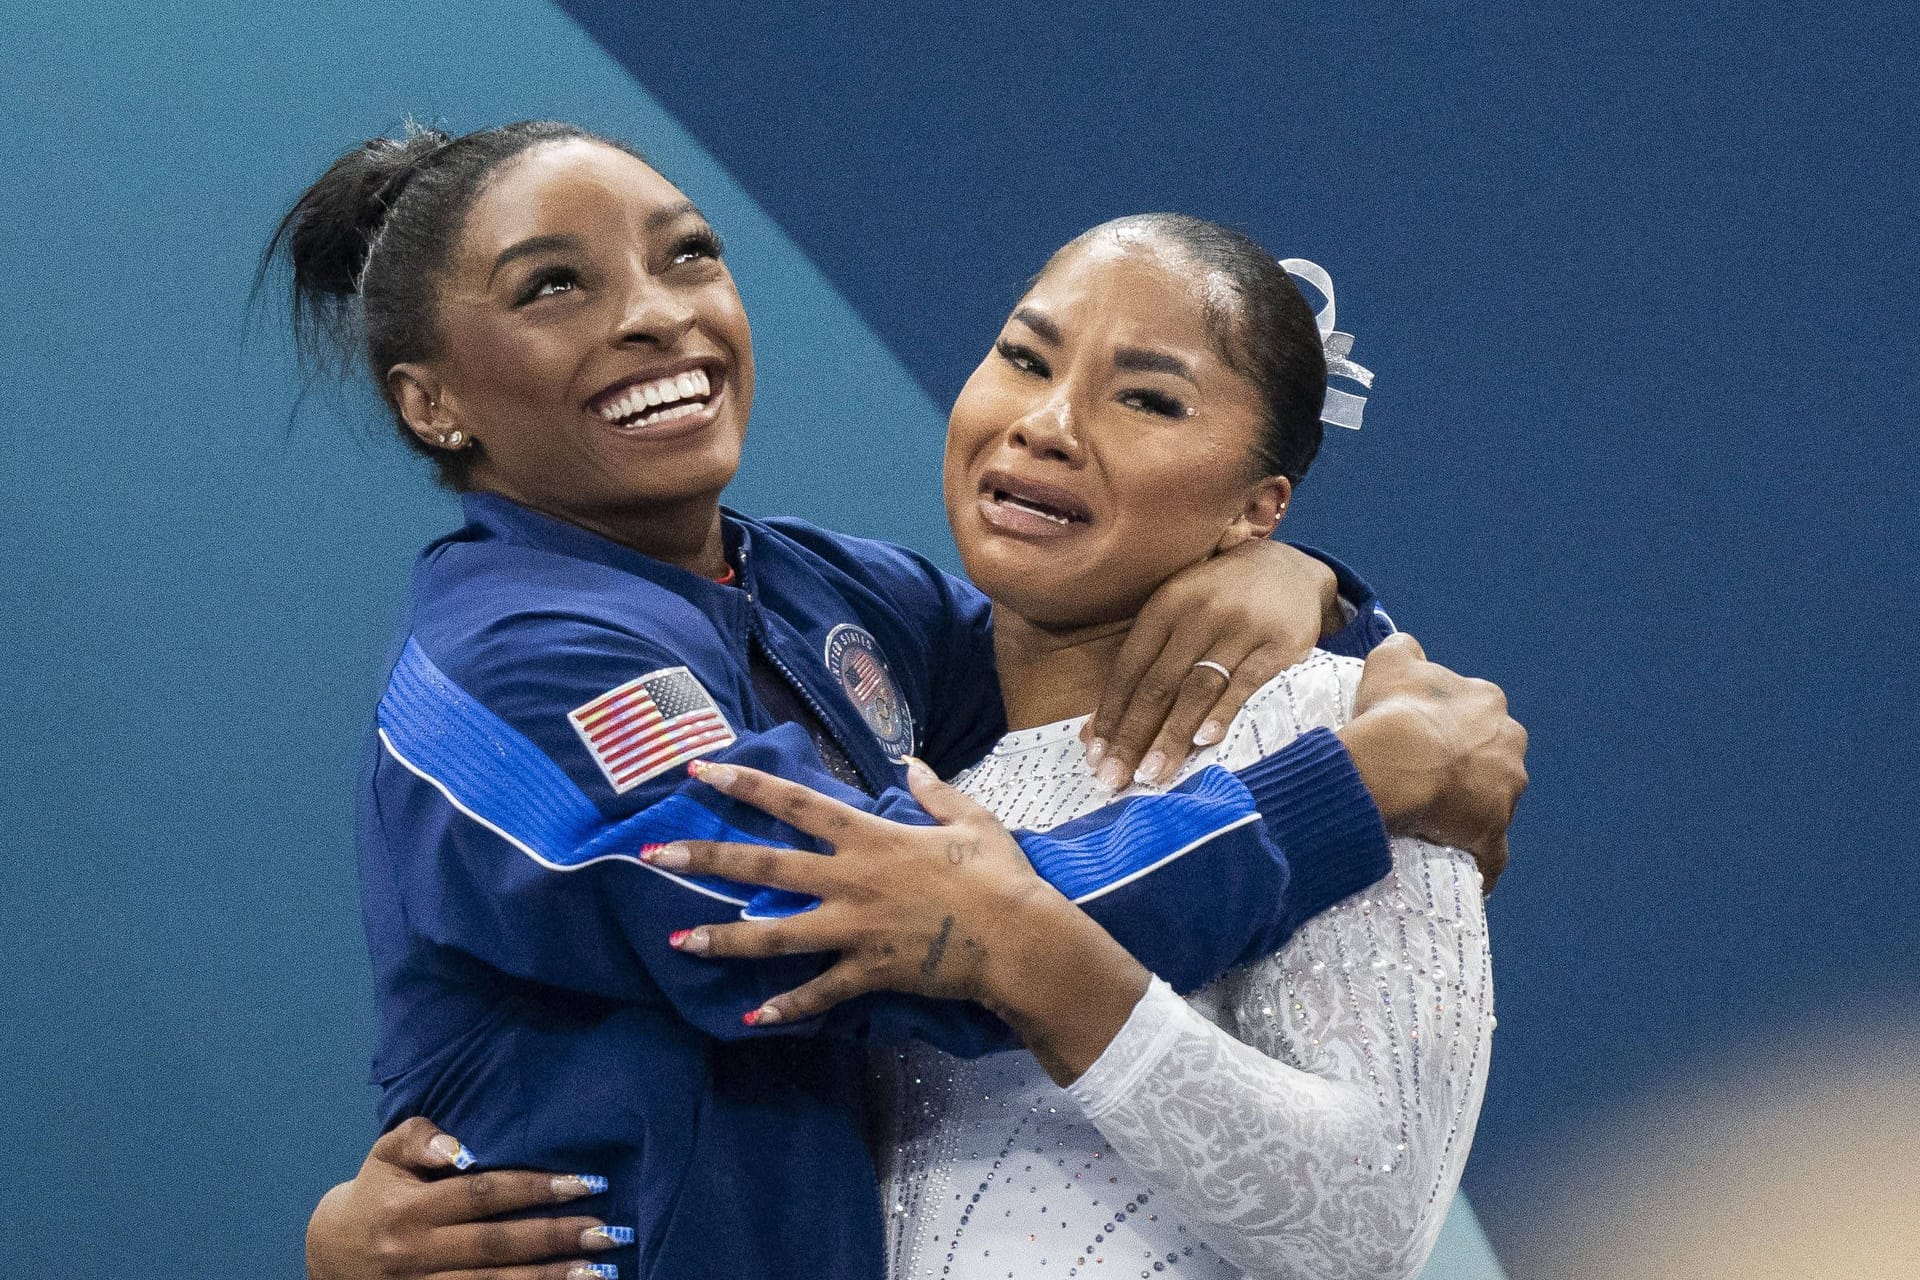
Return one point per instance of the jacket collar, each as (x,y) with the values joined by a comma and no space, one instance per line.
(488,515)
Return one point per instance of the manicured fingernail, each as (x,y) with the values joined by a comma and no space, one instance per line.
(917,768)
(451,1150)
(1096,751)
(765,1015)
(1111,774)
(1210,732)
(672,856)
(1149,770)
(605,1237)
(571,1186)
(594,1271)
(693,941)
(719,776)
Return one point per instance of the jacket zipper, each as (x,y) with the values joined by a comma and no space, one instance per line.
(757,635)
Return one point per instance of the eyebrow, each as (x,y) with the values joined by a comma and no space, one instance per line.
(672,213)
(549,244)
(1140,360)
(1132,359)
(529,247)
(1034,320)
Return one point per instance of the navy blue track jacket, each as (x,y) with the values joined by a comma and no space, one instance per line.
(532,739)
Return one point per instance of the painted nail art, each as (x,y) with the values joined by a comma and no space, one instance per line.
(1210,732)
(1096,751)
(452,1150)
(594,1271)
(714,775)
(605,1237)
(671,856)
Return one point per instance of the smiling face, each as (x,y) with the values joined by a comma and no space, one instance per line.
(1105,444)
(592,345)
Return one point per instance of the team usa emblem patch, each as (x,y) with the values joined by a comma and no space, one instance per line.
(647,726)
(855,660)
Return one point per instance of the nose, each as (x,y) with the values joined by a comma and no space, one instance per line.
(654,315)
(1048,431)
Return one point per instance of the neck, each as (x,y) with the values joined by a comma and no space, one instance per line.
(684,532)
(1048,675)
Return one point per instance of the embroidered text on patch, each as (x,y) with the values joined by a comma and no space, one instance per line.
(649,725)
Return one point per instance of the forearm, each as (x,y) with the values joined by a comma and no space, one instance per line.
(1376,1117)
(1059,980)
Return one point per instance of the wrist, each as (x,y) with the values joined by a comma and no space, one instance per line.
(1388,746)
(1059,980)
(318,1227)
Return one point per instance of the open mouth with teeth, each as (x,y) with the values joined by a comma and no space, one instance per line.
(1007,498)
(663,400)
(1022,507)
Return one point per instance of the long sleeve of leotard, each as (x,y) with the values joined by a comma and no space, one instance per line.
(1321,1131)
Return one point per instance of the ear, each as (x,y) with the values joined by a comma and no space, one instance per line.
(417,390)
(1266,503)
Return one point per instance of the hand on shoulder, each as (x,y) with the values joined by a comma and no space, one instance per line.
(1439,751)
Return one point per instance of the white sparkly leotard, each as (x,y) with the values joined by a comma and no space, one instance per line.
(1307,1115)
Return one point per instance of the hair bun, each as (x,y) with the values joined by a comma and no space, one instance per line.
(330,230)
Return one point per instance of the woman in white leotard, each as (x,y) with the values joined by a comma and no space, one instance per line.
(1309,1113)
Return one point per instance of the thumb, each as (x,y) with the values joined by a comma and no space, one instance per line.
(417,1146)
(1399,649)
(941,801)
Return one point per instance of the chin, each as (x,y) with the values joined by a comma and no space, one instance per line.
(1051,597)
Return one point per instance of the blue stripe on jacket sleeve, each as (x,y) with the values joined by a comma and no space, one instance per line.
(489,771)
(1084,860)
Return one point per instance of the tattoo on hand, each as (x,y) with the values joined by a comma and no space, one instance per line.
(937,948)
(959,851)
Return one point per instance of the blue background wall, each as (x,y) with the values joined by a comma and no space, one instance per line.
(1637,284)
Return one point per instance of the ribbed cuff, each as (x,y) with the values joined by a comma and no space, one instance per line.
(1323,818)
(1135,1049)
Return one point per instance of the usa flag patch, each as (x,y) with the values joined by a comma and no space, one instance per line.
(648,725)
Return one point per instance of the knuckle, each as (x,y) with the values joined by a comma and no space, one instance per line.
(759,863)
(1156,687)
(390,1251)
(771,939)
(416,1127)
(495,1242)
(483,1192)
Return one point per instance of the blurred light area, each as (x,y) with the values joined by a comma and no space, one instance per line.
(1792,1159)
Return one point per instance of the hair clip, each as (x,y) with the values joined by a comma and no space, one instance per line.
(1343,408)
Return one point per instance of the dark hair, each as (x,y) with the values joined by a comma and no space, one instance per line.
(368,243)
(1268,334)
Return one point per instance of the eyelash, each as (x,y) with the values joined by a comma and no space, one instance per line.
(704,243)
(700,244)
(1027,361)
(1013,353)
(536,287)
(1156,402)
